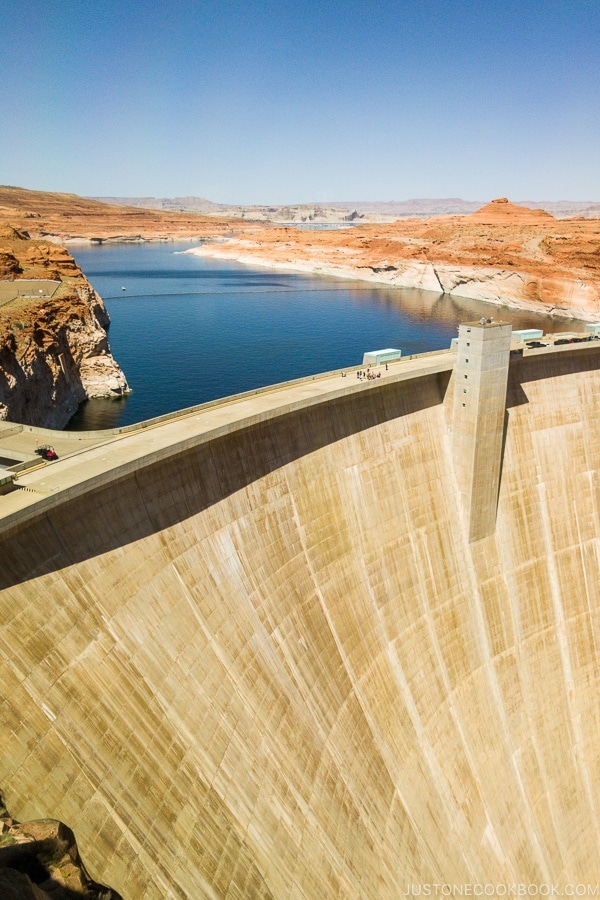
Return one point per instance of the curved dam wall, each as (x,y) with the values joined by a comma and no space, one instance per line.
(273,665)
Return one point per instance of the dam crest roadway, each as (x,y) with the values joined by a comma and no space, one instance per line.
(291,644)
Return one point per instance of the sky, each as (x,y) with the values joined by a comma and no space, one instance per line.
(257,101)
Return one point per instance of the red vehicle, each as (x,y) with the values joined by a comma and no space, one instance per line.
(47,452)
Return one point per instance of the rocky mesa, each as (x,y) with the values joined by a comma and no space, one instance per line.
(54,350)
(503,253)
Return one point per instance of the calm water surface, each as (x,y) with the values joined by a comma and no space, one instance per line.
(187,329)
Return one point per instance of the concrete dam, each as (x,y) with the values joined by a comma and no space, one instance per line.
(339,638)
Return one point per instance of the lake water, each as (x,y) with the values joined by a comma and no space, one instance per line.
(188,329)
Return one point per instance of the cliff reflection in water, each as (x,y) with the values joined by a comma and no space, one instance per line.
(98,415)
(187,330)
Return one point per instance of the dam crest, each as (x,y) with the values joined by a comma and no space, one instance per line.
(287,646)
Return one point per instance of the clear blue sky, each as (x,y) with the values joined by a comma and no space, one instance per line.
(302,100)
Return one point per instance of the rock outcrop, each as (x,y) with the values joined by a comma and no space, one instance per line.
(39,860)
(54,350)
(501,210)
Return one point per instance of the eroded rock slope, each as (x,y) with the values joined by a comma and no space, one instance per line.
(54,350)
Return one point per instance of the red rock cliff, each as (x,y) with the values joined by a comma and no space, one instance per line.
(54,350)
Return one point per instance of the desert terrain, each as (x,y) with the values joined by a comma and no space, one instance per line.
(503,253)
(349,210)
(67,217)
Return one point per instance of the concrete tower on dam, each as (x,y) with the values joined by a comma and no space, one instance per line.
(289,646)
(480,379)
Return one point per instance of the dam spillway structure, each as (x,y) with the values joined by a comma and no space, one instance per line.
(255,650)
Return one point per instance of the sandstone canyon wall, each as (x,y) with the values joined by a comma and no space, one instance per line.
(54,350)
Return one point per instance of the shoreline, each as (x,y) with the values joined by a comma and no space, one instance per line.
(120,239)
(500,287)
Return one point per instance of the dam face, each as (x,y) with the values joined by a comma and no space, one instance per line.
(275,663)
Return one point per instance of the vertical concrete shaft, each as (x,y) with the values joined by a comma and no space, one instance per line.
(478,421)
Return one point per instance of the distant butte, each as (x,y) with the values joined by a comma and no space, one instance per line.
(502,210)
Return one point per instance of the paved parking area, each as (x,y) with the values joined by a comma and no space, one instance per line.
(23,287)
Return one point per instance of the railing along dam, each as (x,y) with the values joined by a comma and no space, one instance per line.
(265,658)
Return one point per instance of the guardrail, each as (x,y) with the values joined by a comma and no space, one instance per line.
(10,430)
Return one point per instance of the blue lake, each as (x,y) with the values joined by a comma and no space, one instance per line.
(188,329)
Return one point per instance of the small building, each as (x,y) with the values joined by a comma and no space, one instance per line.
(7,482)
(593,328)
(527,334)
(378,357)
